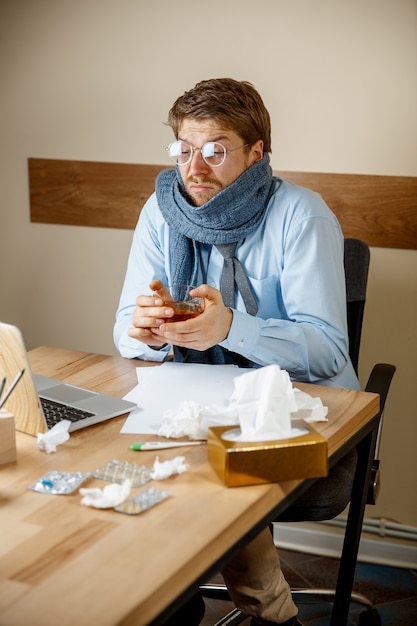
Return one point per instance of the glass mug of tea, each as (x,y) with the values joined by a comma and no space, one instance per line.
(185,306)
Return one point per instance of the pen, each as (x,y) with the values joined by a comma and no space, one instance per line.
(3,382)
(161,445)
(12,386)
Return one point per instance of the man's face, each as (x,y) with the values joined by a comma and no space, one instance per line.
(201,181)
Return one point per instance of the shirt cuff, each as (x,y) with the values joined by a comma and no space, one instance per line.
(133,349)
(243,334)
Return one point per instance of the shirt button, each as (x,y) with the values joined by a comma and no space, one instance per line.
(241,344)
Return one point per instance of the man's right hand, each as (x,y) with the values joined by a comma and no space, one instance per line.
(150,312)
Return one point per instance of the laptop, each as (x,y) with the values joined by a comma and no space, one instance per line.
(38,402)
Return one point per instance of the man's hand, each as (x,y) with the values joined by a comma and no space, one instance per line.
(152,326)
(149,313)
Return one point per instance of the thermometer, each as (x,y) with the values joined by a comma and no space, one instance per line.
(161,445)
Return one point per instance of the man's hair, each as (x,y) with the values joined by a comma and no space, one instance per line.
(236,105)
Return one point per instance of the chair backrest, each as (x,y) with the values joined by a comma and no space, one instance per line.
(356,260)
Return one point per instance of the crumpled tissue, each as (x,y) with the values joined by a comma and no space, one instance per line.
(54,437)
(263,403)
(264,398)
(110,496)
(193,420)
(163,470)
(309,409)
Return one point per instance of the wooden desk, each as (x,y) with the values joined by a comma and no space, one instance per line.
(64,563)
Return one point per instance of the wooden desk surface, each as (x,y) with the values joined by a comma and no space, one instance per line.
(65,563)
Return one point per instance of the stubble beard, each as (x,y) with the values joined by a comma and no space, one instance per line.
(198,199)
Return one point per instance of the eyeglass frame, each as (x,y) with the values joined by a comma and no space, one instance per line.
(193,149)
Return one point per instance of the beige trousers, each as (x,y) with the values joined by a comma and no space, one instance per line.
(256,583)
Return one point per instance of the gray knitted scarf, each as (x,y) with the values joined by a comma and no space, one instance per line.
(231,215)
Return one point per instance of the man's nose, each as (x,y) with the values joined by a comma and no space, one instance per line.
(198,164)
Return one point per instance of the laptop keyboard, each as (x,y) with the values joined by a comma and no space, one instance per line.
(56,412)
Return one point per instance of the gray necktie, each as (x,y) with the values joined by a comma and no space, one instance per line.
(233,271)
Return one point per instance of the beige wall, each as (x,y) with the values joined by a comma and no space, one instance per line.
(93,80)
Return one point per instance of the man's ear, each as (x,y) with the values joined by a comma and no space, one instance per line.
(257,151)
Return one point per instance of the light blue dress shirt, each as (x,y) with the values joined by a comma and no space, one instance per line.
(294,262)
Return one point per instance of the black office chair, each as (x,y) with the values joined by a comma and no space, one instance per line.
(348,471)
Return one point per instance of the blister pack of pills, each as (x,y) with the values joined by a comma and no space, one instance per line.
(119,471)
(59,483)
(142,501)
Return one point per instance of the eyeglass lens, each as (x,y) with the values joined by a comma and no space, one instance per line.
(212,152)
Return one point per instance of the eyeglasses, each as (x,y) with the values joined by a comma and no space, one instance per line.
(214,154)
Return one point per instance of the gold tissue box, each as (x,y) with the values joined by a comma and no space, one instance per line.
(241,463)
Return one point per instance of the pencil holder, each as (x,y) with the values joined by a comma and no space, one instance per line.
(7,438)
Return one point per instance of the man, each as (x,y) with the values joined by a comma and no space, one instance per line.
(288,303)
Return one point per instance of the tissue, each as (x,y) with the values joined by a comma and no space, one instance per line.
(264,399)
(309,409)
(193,420)
(55,436)
(161,471)
(112,495)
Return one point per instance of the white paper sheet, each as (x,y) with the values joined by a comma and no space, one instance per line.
(163,388)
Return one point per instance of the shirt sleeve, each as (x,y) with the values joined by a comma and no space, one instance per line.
(146,262)
(308,334)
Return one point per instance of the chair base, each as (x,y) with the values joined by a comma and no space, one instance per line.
(232,619)
(369,617)
(330,593)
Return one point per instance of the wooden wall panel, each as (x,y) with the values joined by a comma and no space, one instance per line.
(89,193)
(381,210)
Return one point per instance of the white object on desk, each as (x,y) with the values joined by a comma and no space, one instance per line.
(163,388)
(178,388)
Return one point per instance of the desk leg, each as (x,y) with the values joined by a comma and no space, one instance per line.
(347,566)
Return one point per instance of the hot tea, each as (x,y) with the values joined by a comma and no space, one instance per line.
(185,310)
